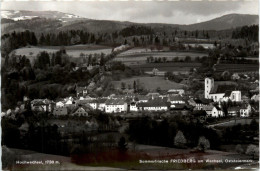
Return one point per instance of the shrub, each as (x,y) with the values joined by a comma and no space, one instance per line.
(180,140)
(252,150)
(239,149)
(203,144)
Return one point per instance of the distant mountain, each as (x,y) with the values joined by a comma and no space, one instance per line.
(26,15)
(45,21)
(225,22)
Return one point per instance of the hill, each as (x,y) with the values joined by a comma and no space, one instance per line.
(58,21)
(225,22)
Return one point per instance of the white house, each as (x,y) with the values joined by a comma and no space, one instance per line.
(255,97)
(115,106)
(153,105)
(143,99)
(221,92)
(81,91)
(176,99)
(213,111)
(80,112)
(176,91)
(133,107)
(60,104)
(43,105)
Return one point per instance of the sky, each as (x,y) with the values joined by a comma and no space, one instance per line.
(174,12)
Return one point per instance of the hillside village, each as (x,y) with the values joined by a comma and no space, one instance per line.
(172,100)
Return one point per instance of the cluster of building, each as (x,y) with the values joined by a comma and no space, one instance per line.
(174,99)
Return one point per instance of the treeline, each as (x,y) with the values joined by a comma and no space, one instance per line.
(71,37)
(246,32)
(163,133)
(16,40)
(136,31)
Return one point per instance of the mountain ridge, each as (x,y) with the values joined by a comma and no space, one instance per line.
(70,21)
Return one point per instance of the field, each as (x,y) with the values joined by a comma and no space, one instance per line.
(204,45)
(237,67)
(233,122)
(139,56)
(149,83)
(73,51)
(167,67)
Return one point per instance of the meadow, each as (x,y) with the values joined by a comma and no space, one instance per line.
(168,67)
(139,56)
(149,83)
(73,51)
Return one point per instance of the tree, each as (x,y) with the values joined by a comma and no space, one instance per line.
(180,140)
(123,85)
(239,149)
(187,59)
(252,150)
(134,86)
(122,145)
(203,144)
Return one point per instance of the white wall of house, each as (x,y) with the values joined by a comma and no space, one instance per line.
(216,97)
(235,96)
(101,106)
(116,108)
(157,108)
(177,102)
(60,104)
(216,113)
(133,107)
(93,105)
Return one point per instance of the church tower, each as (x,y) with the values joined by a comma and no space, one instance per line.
(209,85)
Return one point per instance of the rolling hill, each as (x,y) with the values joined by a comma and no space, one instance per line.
(46,21)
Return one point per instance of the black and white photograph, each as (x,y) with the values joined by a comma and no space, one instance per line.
(129,85)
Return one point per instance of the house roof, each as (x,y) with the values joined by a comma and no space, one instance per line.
(180,106)
(208,108)
(234,108)
(175,98)
(154,103)
(115,102)
(228,93)
(222,88)
(143,97)
(203,101)
(81,88)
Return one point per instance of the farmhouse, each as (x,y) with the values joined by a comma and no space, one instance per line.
(213,111)
(199,104)
(133,107)
(60,104)
(81,91)
(176,100)
(245,110)
(143,99)
(115,106)
(255,97)
(234,111)
(80,111)
(176,91)
(153,105)
(221,92)
(43,105)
